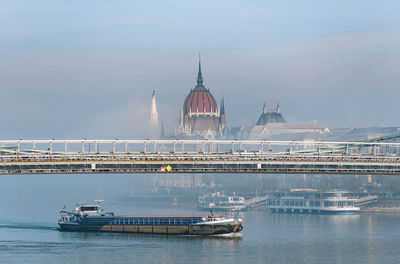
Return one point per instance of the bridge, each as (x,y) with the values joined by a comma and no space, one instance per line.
(197,156)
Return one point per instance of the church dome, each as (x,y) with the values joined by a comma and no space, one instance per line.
(200,101)
(200,116)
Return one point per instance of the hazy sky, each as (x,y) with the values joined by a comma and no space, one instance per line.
(86,69)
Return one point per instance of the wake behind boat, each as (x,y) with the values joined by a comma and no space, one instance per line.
(90,217)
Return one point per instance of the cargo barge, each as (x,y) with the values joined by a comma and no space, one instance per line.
(93,218)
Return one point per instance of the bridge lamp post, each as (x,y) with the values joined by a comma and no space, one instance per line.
(18,147)
(51,146)
(83,145)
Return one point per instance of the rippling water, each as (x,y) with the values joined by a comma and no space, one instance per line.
(267,237)
(28,231)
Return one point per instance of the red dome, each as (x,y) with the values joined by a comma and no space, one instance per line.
(200,100)
(199,116)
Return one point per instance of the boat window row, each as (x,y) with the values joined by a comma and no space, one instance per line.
(309,203)
(293,202)
(311,195)
(68,218)
(88,208)
(153,221)
(339,203)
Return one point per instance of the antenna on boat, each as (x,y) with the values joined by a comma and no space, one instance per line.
(99,201)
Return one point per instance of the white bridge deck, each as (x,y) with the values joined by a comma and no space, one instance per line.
(197,156)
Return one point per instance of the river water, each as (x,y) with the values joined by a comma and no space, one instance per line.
(28,231)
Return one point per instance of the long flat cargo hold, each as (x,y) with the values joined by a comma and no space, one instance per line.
(93,218)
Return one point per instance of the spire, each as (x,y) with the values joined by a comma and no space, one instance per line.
(154,126)
(222,118)
(265,108)
(199,76)
(222,112)
(153,111)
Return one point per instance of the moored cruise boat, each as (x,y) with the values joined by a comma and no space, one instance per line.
(313,201)
(218,201)
(91,217)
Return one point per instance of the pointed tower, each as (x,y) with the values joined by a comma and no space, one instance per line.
(222,118)
(154,125)
(265,108)
(200,115)
(153,112)
(199,76)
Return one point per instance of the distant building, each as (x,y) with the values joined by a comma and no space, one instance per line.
(169,181)
(268,117)
(377,134)
(271,125)
(200,116)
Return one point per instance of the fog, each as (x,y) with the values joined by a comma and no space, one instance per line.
(84,69)
(39,198)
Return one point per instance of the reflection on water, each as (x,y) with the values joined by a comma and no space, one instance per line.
(100,236)
(29,234)
(266,237)
(150,247)
(314,219)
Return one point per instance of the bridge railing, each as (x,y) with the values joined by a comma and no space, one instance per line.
(197,156)
(109,147)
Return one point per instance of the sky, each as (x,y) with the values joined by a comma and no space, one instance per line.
(86,69)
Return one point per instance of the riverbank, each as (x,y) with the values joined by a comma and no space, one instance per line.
(378,209)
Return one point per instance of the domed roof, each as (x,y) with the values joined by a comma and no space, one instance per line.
(200,100)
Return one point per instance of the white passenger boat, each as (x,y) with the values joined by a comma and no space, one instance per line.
(313,201)
(218,201)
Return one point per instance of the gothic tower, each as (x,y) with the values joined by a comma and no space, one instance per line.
(154,124)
